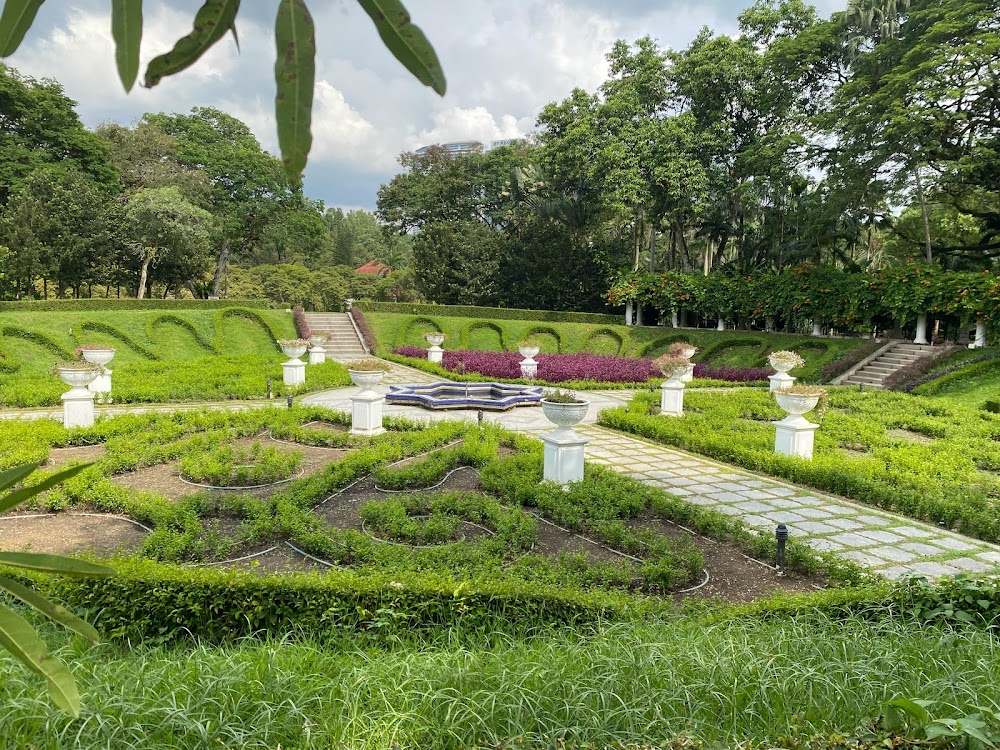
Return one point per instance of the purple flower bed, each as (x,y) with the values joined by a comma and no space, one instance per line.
(558,368)
(732,374)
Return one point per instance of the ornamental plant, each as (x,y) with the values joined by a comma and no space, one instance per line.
(368,365)
(557,396)
(233,466)
(786,356)
(679,349)
(93,348)
(292,342)
(670,364)
(530,342)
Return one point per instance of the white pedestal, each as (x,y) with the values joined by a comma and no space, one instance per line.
(672,398)
(628,313)
(564,450)
(921,337)
(769,324)
(675,320)
(780,381)
(638,315)
(435,354)
(78,408)
(294,372)
(529,368)
(794,436)
(366,413)
(688,375)
(817,329)
(101,387)
(980,340)
(317,355)
(721,325)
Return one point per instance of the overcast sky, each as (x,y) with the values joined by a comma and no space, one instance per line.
(504,60)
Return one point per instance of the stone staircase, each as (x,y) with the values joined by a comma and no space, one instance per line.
(873,371)
(345,344)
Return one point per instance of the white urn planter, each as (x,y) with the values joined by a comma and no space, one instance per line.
(78,401)
(101,386)
(672,392)
(564,448)
(317,348)
(794,434)
(435,353)
(781,380)
(294,370)
(529,366)
(366,404)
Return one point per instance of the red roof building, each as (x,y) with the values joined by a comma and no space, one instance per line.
(374,268)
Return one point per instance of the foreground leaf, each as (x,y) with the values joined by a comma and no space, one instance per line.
(18,637)
(294,75)
(51,610)
(12,476)
(406,41)
(126,28)
(44,563)
(15,21)
(212,21)
(19,496)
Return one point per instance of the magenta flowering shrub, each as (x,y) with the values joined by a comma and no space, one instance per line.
(301,327)
(732,374)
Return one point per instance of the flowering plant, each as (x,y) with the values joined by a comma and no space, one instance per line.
(93,348)
(368,365)
(561,397)
(787,357)
(292,342)
(670,364)
(682,349)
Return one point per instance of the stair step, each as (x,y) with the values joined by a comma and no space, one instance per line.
(866,379)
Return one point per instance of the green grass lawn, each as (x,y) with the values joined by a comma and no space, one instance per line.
(772,683)
(717,348)
(970,377)
(183,355)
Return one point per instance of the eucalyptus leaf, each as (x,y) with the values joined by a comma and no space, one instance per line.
(126,28)
(15,21)
(211,23)
(66,566)
(294,75)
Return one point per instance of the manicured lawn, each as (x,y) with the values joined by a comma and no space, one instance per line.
(971,377)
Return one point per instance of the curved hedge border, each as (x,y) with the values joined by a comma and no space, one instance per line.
(246,314)
(481,325)
(37,338)
(70,305)
(406,328)
(664,342)
(98,327)
(608,333)
(546,331)
(187,325)
(499,313)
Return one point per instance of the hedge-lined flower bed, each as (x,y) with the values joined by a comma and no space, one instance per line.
(561,368)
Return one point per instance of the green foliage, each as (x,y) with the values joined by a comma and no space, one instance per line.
(232,466)
(111,305)
(493,313)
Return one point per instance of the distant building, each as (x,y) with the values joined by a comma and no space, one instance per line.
(459,148)
(374,268)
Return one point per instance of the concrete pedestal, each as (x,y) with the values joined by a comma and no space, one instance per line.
(980,341)
(672,398)
(675,320)
(294,372)
(101,387)
(817,329)
(721,325)
(435,354)
(921,337)
(529,368)
(564,451)
(366,413)
(780,381)
(78,407)
(317,355)
(794,436)
(628,313)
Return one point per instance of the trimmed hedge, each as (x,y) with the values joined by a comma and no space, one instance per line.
(71,305)
(499,313)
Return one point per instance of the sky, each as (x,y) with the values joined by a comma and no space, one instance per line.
(504,60)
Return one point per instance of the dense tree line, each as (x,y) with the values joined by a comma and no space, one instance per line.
(855,142)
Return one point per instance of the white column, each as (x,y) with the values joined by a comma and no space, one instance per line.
(921,337)
(794,436)
(366,412)
(293,372)
(980,340)
(638,315)
(780,381)
(317,355)
(78,407)
(628,312)
(101,387)
(675,320)
(817,328)
(721,325)
(564,455)
(672,398)
(769,324)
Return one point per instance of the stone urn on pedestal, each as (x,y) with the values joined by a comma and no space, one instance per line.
(366,404)
(435,354)
(317,350)
(684,350)
(564,447)
(674,367)
(100,356)
(794,434)
(528,350)
(782,362)
(78,401)
(294,370)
